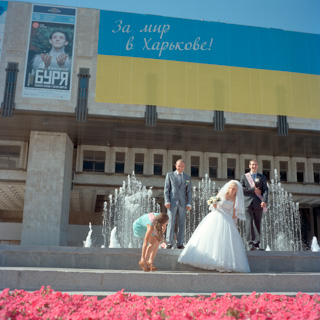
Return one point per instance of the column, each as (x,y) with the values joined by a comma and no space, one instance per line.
(48,187)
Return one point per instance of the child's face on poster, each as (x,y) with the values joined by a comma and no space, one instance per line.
(58,40)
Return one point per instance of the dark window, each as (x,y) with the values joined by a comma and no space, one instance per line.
(246,166)
(283,171)
(157,164)
(266,168)
(100,203)
(174,160)
(300,171)
(316,172)
(120,160)
(9,157)
(213,167)
(231,168)
(195,162)
(93,161)
(138,163)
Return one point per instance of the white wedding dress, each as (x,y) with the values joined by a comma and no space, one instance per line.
(216,243)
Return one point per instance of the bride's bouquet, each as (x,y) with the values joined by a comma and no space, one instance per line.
(213,200)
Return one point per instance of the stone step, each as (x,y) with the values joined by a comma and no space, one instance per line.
(159,283)
(127,259)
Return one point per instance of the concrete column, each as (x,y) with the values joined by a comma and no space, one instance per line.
(129,162)
(48,187)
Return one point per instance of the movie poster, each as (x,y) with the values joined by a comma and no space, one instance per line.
(3,15)
(49,64)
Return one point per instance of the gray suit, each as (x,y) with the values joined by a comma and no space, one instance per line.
(178,197)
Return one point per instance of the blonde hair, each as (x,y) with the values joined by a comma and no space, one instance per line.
(232,184)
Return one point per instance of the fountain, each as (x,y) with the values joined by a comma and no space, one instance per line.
(315,246)
(281,225)
(88,242)
(200,196)
(280,228)
(113,239)
(128,203)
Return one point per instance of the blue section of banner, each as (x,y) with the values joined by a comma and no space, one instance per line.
(156,37)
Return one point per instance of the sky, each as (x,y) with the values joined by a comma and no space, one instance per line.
(291,15)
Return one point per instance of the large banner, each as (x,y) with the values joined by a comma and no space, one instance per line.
(3,15)
(49,64)
(171,62)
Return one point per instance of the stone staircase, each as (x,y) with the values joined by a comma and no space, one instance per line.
(103,271)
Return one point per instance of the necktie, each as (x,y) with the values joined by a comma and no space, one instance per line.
(180,179)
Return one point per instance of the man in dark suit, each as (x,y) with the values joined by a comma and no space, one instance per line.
(178,200)
(255,191)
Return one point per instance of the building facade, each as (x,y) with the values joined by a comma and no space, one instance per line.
(64,148)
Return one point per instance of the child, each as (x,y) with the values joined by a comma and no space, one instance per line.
(150,227)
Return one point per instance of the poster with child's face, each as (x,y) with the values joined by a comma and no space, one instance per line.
(48,72)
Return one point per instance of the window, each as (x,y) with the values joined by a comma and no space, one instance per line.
(316,172)
(120,160)
(100,203)
(283,170)
(246,166)
(213,167)
(300,172)
(93,161)
(195,163)
(231,168)
(157,164)
(138,163)
(266,168)
(174,160)
(9,157)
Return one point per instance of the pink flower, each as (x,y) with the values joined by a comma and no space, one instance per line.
(48,304)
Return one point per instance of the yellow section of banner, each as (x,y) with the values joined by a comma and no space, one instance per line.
(127,80)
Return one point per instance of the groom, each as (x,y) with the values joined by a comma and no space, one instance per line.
(255,191)
(178,199)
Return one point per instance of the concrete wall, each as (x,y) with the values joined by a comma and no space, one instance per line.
(48,186)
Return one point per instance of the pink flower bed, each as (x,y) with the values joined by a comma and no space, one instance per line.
(48,304)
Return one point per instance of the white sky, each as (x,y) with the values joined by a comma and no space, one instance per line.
(293,15)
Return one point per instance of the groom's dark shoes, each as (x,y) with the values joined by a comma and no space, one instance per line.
(180,247)
(169,246)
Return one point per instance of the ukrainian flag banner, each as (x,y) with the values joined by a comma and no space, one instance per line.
(171,62)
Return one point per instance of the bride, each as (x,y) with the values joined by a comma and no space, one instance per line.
(216,243)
